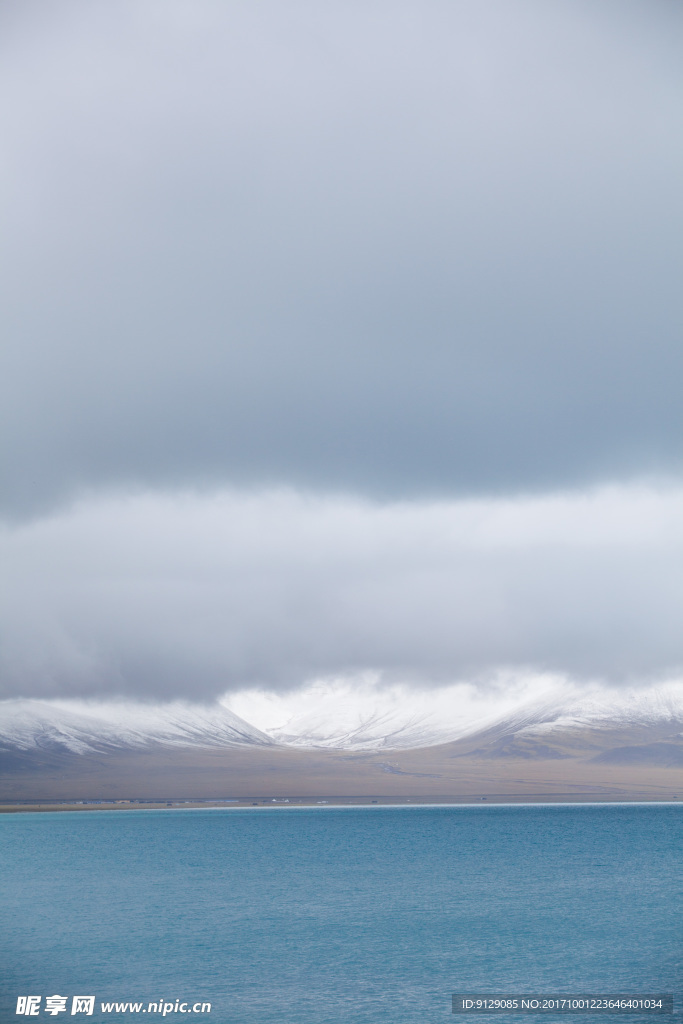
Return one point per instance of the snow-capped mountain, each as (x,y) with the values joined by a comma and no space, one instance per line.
(522,721)
(350,716)
(601,709)
(85,728)
(395,718)
(618,728)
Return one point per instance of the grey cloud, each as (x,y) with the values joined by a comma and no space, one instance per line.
(393,249)
(190,597)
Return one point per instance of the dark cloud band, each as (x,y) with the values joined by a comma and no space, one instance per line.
(393,249)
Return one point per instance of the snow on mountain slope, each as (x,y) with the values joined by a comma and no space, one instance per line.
(601,709)
(620,727)
(355,715)
(83,727)
(362,715)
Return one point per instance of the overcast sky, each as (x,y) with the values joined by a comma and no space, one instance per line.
(297,296)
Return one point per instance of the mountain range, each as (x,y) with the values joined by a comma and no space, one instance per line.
(331,744)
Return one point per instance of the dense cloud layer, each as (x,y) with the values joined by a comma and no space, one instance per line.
(397,249)
(189,597)
(330,288)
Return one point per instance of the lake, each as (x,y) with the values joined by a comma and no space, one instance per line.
(358,914)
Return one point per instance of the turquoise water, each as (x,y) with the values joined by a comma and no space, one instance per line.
(340,914)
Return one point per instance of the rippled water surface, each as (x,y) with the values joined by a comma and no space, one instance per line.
(340,914)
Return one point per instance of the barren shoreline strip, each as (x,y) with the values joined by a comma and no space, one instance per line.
(159,776)
(265,803)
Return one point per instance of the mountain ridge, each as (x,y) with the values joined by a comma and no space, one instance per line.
(551,726)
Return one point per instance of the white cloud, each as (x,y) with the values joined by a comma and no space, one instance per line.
(193,595)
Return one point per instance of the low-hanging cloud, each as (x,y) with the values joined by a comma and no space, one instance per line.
(398,249)
(190,596)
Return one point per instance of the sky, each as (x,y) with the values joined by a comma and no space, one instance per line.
(341,340)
